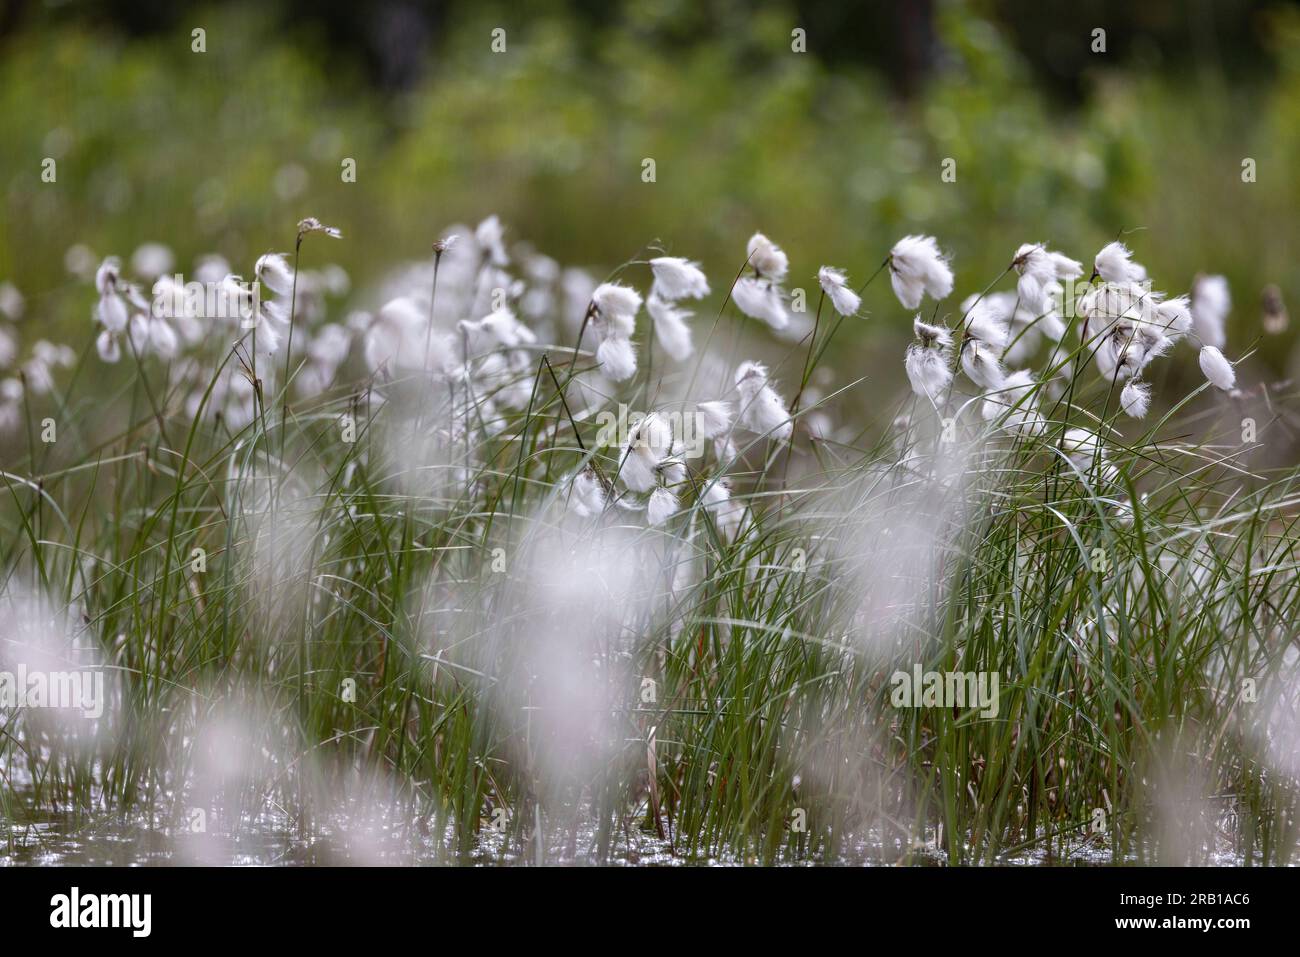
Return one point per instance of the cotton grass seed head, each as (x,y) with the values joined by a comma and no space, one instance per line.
(1174,316)
(107,275)
(760,299)
(727,513)
(927,370)
(274,272)
(1135,399)
(931,336)
(586,494)
(1039,268)
(762,409)
(617,357)
(678,278)
(1217,369)
(918,267)
(1210,304)
(662,506)
(1114,263)
(313,225)
(490,235)
(987,324)
(981,365)
(835,284)
(671,330)
(714,418)
(618,305)
(1035,259)
(928,360)
(107,346)
(767,259)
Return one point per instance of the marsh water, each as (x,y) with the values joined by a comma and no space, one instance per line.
(273,839)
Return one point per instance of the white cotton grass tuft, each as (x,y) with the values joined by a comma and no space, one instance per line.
(109,349)
(986,330)
(111,311)
(835,284)
(1039,268)
(728,514)
(714,418)
(1217,369)
(1125,329)
(313,225)
(1210,304)
(1025,327)
(981,365)
(1114,263)
(759,296)
(274,272)
(586,494)
(108,275)
(1135,399)
(637,471)
(762,409)
(987,324)
(930,335)
(767,258)
(616,307)
(395,339)
(490,235)
(648,448)
(928,360)
(917,267)
(677,278)
(499,328)
(1175,316)
(662,506)
(617,357)
(163,341)
(760,299)
(671,330)
(1049,323)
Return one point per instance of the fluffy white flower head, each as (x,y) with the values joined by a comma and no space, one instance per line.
(678,278)
(767,258)
(835,284)
(918,267)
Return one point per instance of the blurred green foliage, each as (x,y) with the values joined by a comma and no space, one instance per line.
(225,150)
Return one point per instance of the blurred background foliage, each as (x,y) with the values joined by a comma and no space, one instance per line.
(834,153)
